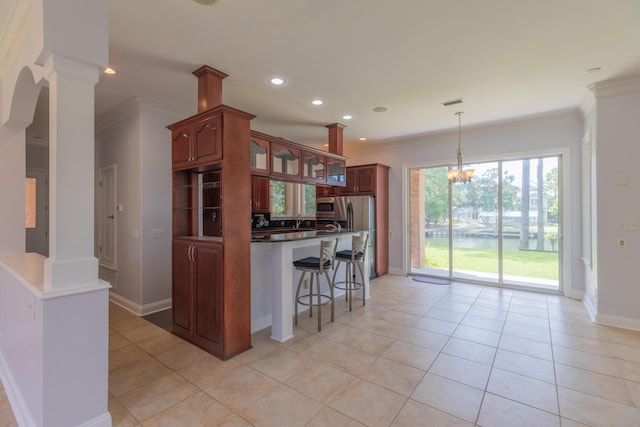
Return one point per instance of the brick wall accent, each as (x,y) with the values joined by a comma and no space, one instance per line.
(416,217)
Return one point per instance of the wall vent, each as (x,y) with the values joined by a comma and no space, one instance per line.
(452,102)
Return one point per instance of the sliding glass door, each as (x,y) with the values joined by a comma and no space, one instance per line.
(501,228)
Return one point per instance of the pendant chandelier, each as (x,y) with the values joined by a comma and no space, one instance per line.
(459,175)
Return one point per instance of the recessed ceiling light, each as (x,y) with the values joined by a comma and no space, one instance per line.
(325,145)
(593,70)
(206,2)
(109,71)
(347,117)
(317,102)
(380,109)
(276,81)
(363,139)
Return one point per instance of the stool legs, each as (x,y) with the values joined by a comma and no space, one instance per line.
(318,296)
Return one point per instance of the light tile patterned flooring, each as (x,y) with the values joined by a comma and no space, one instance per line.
(415,355)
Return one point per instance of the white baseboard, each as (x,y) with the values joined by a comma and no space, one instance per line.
(16,400)
(103,420)
(590,305)
(261,323)
(618,321)
(397,271)
(138,309)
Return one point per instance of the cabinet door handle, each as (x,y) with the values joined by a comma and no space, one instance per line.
(184,134)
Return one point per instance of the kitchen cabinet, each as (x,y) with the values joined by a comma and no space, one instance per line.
(314,167)
(211,282)
(373,179)
(196,142)
(260,195)
(259,156)
(336,170)
(285,161)
(360,180)
(197,274)
(327,191)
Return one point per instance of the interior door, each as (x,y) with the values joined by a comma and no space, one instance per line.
(37,231)
(107,218)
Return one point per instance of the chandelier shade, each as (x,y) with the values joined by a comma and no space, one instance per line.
(459,175)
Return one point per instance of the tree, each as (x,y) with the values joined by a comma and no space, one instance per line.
(436,191)
(540,235)
(524,208)
(551,191)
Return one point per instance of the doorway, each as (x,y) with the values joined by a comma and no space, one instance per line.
(37,211)
(107,218)
(502,228)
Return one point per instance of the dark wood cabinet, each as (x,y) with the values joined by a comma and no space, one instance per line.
(211,235)
(259,156)
(373,179)
(196,143)
(336,171)
(327,191)
(285,161)
(360,180)
(314,167)
(197,285)
(260,195)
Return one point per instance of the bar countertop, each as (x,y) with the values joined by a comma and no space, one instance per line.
(300,235)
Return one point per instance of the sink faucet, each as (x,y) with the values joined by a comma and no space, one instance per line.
(298,221)
(332,227)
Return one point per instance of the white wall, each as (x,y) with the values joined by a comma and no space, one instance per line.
(156,194)
(134,136)
(558,133)
(617,154)
(119,144)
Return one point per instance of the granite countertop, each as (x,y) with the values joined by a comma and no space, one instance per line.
(300,235)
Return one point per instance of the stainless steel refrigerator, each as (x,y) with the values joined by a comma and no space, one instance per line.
(358,213)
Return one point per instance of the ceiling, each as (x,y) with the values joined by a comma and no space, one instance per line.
(505,58)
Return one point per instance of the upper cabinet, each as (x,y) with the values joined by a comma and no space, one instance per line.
(314,167)
(259,156)
(285,161)
(196,143)
(360,180)
(336,169)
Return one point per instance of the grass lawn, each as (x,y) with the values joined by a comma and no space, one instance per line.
(543,265)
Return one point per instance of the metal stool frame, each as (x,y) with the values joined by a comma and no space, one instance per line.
(316,267)
(354,260)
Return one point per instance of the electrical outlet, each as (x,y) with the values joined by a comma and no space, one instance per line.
(621,243)
(157,233)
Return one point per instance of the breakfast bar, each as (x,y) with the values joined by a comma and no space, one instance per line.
(273,278)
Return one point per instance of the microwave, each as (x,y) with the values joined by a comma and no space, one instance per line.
(325,207)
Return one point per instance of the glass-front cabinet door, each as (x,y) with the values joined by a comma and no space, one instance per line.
(285,161)
(197,204)
(259,153)
(314,167)
(336,169)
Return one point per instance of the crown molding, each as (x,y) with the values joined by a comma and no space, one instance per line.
(615,87)
(15,35)
(133,106)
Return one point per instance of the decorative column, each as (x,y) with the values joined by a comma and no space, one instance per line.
(71,261)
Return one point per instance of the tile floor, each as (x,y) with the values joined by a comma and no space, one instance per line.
(416,355)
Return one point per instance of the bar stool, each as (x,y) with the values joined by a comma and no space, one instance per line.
(316,266)
(354,259)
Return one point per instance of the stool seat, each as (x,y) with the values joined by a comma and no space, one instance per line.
(316,266)
(354,260)
(311,262)
(346,254)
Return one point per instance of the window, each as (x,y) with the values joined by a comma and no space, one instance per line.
(30,203)
(288,199)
